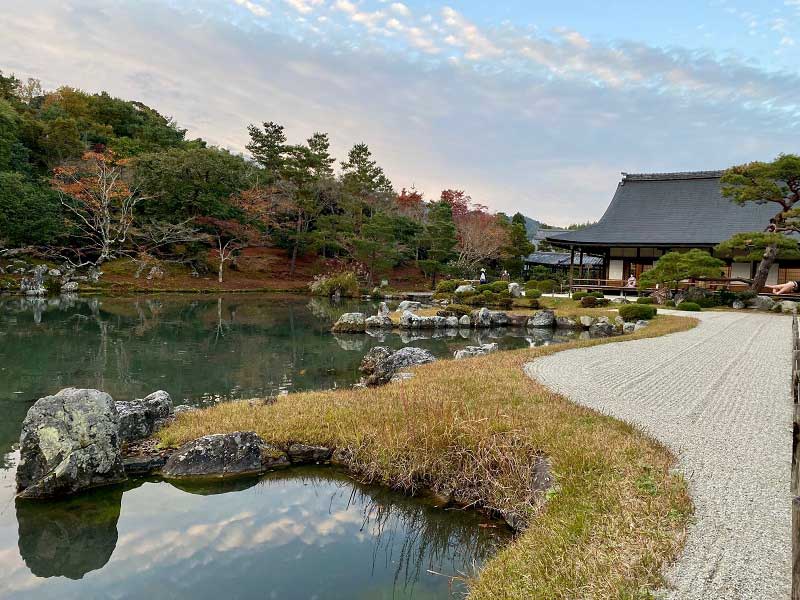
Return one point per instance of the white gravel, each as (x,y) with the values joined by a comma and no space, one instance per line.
(719,396)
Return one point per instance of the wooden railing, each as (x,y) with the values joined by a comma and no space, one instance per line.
(621,284)
(795,483)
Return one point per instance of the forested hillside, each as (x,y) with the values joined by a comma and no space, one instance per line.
(88,178)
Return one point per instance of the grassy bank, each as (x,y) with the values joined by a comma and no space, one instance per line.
(473,430)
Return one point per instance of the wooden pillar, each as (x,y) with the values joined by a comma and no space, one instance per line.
(571,260)
(580,264)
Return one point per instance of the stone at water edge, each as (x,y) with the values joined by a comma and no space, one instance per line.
(383,310)
(471,351)
(482,317)
(69,287)
(515,290)
(372,358)
(378,322)
(139,419)
(499,318)
(303,453)
(543,318)
(350,323)
(69,443)
(452,322)
(567,323)
(602,329)
(224,455)
(465,321)
(403,358)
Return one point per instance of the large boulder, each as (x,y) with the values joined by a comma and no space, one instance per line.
(761,303)
(788,306)
(402,359)
(378,322)
(465,321)
(470,351)
(452,322)
(372,358)
(515,289)
(350,323)
(602,329)
(465,289)
(482,317)
(408,305)
(499,318)
(568,323)
(586,321)
(543,318)
(69,443)
(224,455)
(141,418)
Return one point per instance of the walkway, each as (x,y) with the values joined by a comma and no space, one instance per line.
(720,397)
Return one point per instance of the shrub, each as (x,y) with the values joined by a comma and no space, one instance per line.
(596,294)
(459,309)
(448,286)
(670,303)
(528,302)
(708,302)
(346,284)
(602,302)
(645,300)
(531,284)
(533,293)
(634,312)
(499,286)
(588,301)
(691,306)
(546,285)
(578,296)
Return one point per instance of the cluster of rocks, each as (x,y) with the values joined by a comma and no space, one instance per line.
(470,351)
(381,365)
(766,303)
(38,279)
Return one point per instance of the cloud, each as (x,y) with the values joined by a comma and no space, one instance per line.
(304,6)
(541,123)
(401,9)
(257,9)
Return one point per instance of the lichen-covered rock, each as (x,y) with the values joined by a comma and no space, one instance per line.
(69,443)
(628,327)
(470,351)
(602,329)
(438,322)
(586,321)
(350,323)
(69,287)
(303,453)
(407,319)
(408,305)
(402,359)
(465,321)
(761,303)
(543,318)
(224,455)
(465,289)
(482,317)
(452,322)
(640,324)
(499,318)
(378,322)
(788,306)
(515,289)
(141,418)
(383,310)
(568,323)
(372,358)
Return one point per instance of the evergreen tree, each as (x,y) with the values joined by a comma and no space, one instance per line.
(268,148)
(440,239)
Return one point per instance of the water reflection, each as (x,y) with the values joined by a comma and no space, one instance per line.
(299,533)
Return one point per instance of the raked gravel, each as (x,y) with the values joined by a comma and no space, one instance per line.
(719,396)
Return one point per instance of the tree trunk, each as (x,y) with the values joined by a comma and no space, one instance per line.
(767,259)
(219,276)
(296,244)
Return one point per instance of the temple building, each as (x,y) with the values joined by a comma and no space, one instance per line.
(654,213)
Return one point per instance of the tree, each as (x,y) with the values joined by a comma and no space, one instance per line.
(61,141)
(751,247)
(97,196)
(30,213)
(519,246)
(481,237)
(268,148)
(674,267)
(439,238)
(377,248)
(776,182)
(229,238)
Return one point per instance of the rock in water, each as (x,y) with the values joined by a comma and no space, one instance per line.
(452,322)
(499,318)
(482,317)
(224,455)
(378,322)
(465,321)
(471,351)
(70,442)
(403,358)
(372,358)
(350,323)
(139,419)
(543,318)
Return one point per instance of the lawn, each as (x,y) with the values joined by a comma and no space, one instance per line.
(474,431)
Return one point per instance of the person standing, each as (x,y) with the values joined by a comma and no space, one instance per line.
(482,278)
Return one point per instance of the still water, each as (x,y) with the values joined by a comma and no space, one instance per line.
(299,534)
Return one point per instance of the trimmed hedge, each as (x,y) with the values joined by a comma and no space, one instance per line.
(635,312)
(588,301)
(691,306)
(645,300)
(670,303)
(533,293)
(448,286)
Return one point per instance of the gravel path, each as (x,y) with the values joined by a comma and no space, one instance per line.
(719,396)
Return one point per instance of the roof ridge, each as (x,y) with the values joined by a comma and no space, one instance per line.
(671,176)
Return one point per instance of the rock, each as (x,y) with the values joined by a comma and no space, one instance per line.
(372,358)
(738,304)
(620,300)
(69,443)
(39,271)
(224,455)
(498,318)
(482,317)
(378,322)
(155,272)
(350,323)
(408,305)
(640,324)
(142,464)
(407,318)
(465,321)
(543,318)
(403,358)
(438,322)
(54,273)
(788,306)
(401,376)
(383,310)
(184,408)
(139,419)
(452,322)
(69,287)
(302,453)
(568,323)
(465,289)
(602,329)
(761,303)
(515,290)
(628,327)
(471,351)
(586,321)
(94,275)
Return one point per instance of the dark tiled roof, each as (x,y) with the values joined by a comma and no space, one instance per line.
(561,259)
(670,208)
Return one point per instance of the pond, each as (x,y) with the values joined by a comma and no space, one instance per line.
(326,529)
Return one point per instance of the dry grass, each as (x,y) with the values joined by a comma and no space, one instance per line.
(473,429)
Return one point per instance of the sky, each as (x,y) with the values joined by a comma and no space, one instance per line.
(529,105)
